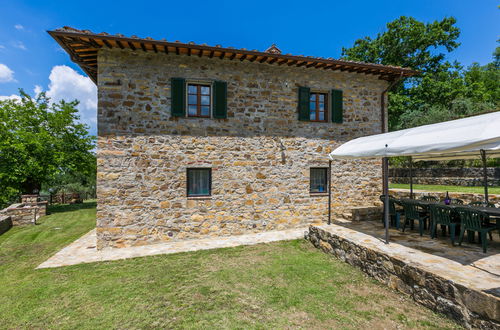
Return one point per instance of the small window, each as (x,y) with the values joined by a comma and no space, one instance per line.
(199,100)
(318,180)
(317,107)
(199,182)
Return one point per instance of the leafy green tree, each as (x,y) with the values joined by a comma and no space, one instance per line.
(408,43)
(38,140)
(443,90)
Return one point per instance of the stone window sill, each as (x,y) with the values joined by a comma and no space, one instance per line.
(199,197)
(312,194)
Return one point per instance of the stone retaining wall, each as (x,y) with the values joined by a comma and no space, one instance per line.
(466,197)
(472,176)
(5,223)
(366,213)
(471,308)
(24,214)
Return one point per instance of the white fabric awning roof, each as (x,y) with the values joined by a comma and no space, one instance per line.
(455,139)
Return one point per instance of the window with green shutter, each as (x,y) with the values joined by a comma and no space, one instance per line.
(337,106)
(304,95)
(178,97)
(220,99)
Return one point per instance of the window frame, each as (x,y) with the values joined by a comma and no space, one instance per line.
(325,169)
(198,94)
(316,106)
(188,180)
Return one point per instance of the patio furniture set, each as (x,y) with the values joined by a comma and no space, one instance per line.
(452,215)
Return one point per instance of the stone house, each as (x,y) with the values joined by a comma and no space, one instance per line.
(197,141)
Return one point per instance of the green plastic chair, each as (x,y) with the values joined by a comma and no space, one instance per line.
(456,201)
(413,212)
(394,215)
(443,215)
(429,198)
(475,221)
(482,204)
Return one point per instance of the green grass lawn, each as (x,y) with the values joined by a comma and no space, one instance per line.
(429,187)
(278,285)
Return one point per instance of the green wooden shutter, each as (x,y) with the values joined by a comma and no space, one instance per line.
(304,95)
(220,99)
(337,104)
(178,100)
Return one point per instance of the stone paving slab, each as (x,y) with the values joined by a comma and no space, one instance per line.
(83,250)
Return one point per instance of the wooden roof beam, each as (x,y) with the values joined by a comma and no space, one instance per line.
(189,51)
(143,46)
(119,44)
(155,49)
(222,55)
(165,49)
(283,62)
(89,52)
(243,57)
(274,59)
(301,64)
(233,55)
(211,54)
(177,52)
(107,43)
(94,43)
(253,58)
(131,45)
(292,62)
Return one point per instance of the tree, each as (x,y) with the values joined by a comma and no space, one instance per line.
(408,43)
(38,140)
(443,90)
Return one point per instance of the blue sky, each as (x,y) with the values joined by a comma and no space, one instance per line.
(30,58)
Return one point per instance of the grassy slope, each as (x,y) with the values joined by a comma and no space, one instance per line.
(284,284)
(428,187)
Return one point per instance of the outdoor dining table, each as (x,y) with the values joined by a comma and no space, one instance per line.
(492,212)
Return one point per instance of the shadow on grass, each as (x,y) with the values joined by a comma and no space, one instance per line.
(71,207)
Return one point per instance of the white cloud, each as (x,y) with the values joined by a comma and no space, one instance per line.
(6,74)
(19,44)
(19,27)
(2,47)
(10,97)
(37,90)
(67,84)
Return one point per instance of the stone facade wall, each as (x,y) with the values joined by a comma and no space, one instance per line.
(466,197)
(472,176)
(471,308)
(260,155)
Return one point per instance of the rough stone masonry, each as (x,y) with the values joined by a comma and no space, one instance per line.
(260,155)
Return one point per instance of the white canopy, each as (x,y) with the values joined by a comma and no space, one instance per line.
(456,139)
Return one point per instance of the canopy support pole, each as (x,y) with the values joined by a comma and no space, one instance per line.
(385,168)
(411,177)
(485,173)
(329,191)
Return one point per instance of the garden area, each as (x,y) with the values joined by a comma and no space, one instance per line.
(276,285)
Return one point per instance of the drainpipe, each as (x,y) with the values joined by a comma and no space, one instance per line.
(329,191)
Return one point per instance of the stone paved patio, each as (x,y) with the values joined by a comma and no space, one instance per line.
(83,250)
